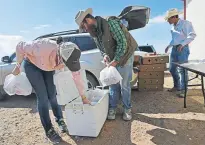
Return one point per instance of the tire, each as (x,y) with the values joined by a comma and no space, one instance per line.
(3,96)
(92,82)
(134,79)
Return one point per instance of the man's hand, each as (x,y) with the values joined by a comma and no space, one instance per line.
(106,59)
(179,48)
(16,71)
(113,63)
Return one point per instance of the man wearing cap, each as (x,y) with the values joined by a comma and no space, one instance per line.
(182,34)
(70,55)
(117,47)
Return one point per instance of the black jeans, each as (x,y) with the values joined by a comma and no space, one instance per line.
(43,85)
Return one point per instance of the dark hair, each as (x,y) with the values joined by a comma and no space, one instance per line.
(59,40)
(89,16)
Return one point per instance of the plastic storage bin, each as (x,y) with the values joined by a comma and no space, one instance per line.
(88,120)
(65,86)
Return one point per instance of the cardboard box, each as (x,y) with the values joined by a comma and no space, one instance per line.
(150,75)
(150,88)
(153,67)
(144,82)
(155,59)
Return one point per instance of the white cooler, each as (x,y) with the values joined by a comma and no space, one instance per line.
(81,119)
(87,120)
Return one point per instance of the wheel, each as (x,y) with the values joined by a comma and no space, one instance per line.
(92,82)
(134,79)
(3,96)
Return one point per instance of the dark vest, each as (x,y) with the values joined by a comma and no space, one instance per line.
(109,43)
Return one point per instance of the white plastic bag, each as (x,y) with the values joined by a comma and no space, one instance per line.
(95,96)
(110,76)
(18,85)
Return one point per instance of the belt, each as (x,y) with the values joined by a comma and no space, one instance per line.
(180,44)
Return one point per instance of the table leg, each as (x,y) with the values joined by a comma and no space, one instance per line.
(185,87)
(202,87)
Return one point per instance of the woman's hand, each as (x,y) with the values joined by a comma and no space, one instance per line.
(60,66)
(85,100)
(16,70)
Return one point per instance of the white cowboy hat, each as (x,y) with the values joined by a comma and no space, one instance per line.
(172,12)
(81,15)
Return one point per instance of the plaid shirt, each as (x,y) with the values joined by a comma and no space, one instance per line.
(120,38)
(118,35)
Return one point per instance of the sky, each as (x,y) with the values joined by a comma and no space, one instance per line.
(28,19)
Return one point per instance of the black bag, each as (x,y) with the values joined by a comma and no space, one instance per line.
(136,16)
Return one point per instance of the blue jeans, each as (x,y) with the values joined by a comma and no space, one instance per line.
(43,85)
(123,88)
(177,72)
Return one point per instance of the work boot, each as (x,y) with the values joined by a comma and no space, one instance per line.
(127,114)
(62,126)
(111,114)
(53,136)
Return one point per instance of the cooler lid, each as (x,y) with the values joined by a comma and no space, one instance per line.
(66,87)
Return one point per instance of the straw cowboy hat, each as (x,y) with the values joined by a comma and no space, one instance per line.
(81,15)
(172,12)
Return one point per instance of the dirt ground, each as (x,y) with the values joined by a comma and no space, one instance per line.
(158,119)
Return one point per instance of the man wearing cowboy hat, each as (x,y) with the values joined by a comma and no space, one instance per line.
(117,47)
(182,34)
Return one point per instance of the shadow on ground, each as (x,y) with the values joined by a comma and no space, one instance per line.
(118,132)
(167,102)
(187,132)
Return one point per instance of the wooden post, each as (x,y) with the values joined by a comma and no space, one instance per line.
(184,9)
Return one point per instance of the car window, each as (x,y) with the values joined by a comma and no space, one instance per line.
(146,49)
(13,57)
(14,60)
(69,39)
(54,39)
(85,43)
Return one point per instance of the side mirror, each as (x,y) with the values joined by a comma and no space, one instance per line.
(6,59)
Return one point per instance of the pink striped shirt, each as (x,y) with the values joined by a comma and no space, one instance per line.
(43,54)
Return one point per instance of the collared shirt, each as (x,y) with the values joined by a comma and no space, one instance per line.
(118,35)
(182,33)
(120,38)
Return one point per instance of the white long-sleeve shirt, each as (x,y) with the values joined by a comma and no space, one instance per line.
(182,33)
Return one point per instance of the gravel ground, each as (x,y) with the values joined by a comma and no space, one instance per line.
(158,119)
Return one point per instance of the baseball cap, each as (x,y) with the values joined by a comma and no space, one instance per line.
(70,54)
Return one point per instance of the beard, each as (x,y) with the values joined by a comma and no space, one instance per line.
(92,29)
